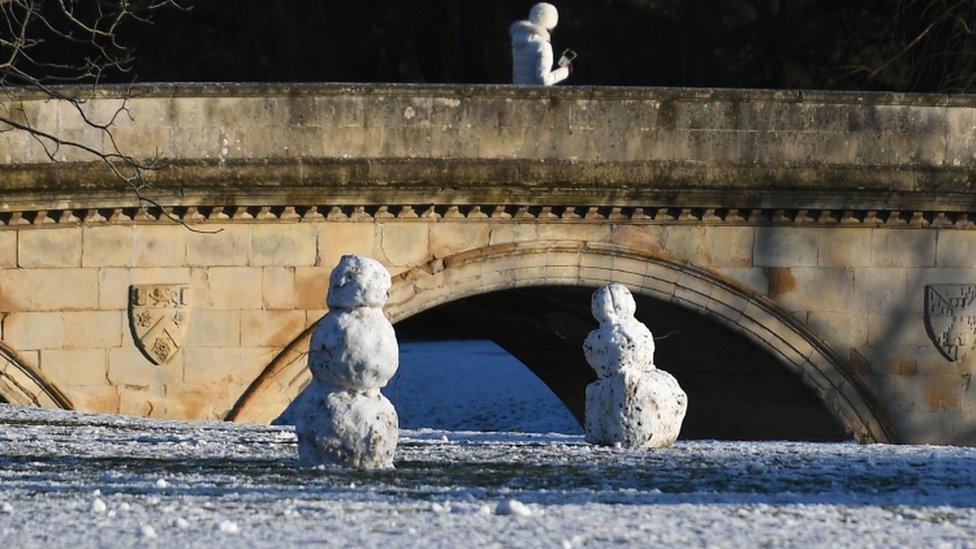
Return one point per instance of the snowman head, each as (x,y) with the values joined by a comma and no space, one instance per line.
(358,282)
(613,304)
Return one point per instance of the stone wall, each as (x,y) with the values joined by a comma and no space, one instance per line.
(827,215)
(256,285)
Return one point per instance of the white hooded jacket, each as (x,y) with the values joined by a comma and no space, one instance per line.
(532,57)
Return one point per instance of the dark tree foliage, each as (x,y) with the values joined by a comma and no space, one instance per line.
(907,45)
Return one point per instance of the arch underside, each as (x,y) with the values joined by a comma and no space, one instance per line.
(800,352)
(21,383)
(736,390)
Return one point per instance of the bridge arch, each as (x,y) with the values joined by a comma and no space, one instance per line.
(21,383)
(576,263)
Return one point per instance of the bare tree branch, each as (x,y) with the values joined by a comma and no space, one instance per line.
(921,42)
(45,42)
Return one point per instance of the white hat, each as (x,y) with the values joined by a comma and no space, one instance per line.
(544,15)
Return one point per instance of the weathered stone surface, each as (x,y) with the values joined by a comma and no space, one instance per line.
(155,246)
(311,287)
(221,329)
(33,330)
(339,239)
(278,287)
(786,247)
(903,248)
(108,246)
(8,249)
(49,248)
(812,289)
(843,247)
(222,244)
(448,238)
(575,231)
(222,288)
(283,244)
(127,365)
(92,329)
(956,249)
(270,328)
(211,367)
(502,233)
(49,290)
(74,367)
(405,243)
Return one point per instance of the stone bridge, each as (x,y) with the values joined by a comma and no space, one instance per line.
(808,259)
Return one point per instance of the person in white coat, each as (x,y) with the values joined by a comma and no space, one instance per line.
(532,59)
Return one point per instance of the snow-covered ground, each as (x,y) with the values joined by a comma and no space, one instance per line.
(95,481)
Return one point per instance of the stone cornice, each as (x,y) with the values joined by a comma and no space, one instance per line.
(479,181)
(228,214)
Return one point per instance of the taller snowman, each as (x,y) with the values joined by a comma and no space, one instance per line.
(352,355)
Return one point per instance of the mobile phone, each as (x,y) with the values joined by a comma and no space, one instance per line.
(568,57)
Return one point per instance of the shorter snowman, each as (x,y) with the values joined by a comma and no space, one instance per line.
(632,404)
(352,355)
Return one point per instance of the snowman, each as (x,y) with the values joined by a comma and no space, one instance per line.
(632,404)
(352,355)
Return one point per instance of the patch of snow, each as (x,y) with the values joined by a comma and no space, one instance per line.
(148,532)
(229,527)
(513,507)
(440,508)
(98,506)
(755,468)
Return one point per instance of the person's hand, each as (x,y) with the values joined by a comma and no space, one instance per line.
(569,67)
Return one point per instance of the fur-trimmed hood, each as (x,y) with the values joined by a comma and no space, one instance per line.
(524,33)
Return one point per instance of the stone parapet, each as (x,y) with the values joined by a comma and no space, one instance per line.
(334,144)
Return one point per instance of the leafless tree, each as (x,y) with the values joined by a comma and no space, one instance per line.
(47,43)
(920,44)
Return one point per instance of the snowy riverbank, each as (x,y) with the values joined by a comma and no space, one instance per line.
(88,480)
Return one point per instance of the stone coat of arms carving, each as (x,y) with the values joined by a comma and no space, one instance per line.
(950,318)
(159,315)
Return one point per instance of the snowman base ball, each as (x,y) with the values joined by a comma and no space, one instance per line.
(348,428)
(635,409)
